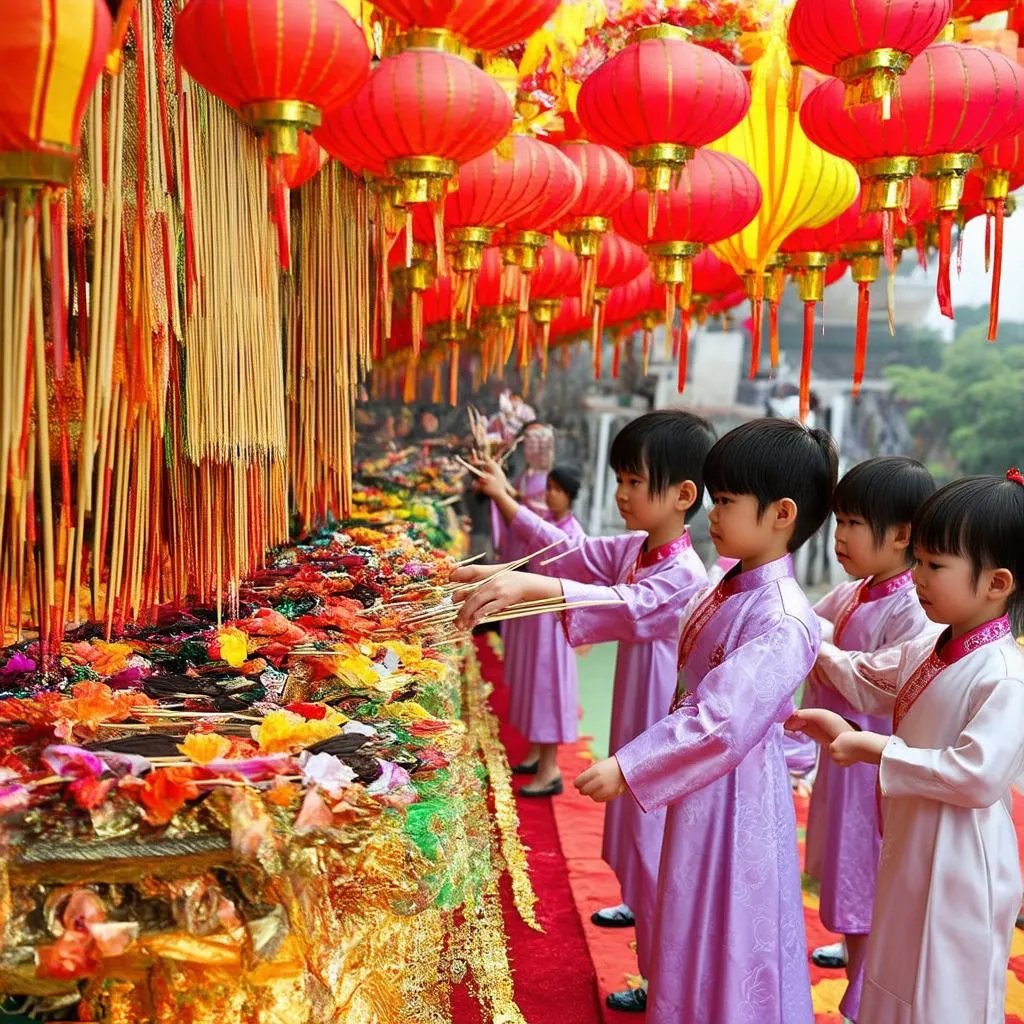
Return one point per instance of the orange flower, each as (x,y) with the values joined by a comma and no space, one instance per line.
(165,791)
(283,795)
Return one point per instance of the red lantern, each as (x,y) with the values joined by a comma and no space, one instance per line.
(952,103)
(618,262)
(492,189)
(306,164)
(555,276)
(279,81)
(421,114)
(607,181)
(867,44)
(712,277)
(482,25)
(660,98)
(526,234)
(716,195)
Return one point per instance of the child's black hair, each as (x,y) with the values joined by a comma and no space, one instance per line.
(980,518)
(668,447)
(884,492)
(568,479)
(774,459)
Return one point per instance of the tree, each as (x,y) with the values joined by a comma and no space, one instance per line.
(967,413)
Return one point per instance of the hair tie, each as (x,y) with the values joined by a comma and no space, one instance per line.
(1015,475)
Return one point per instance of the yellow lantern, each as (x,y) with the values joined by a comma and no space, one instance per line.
(801,185)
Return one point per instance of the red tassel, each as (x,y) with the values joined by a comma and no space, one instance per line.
(58,299)
(997,271)
(440,257)
(684,351)
(616,358)
(755,335)
(860,352)
(545,345)
(805,362)
(588,283)
(945,251)
(921,241)
(416,316)
(282,212)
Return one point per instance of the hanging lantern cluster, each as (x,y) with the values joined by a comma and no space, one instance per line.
(658,100)
(716,196)
(953,102)
(802,185)
(280,82)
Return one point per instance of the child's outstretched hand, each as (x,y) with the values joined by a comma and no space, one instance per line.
(492,480)
(494,596)
(603,781)
(821,725)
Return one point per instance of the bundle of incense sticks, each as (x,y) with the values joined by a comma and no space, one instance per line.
(328,324)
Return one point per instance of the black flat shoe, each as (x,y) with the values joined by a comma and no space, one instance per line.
(612,917)
(553,790)
(631,1000)
(824,958)
(525,769)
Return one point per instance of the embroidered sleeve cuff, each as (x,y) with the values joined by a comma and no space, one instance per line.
(889,766)
(583,627)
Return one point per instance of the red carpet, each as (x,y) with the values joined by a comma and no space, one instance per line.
(555,980)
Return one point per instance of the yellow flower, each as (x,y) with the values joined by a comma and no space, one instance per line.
(358,668)
(234,647)
(204,747)
(285,732)
(406,711)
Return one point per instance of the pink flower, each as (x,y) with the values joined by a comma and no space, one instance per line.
(327,772)
(18,664)
(314,814)
(392,777)
(72,762)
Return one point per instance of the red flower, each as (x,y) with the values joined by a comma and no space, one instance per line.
(316,712)
(165,791)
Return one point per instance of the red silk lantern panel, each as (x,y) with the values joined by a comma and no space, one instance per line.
(571,322)
(716,195)
(480,24)
(952,103)
(51,55)
(712,277)
(279,81)
(607,181)
(867,44)
(975,10)
(660,98)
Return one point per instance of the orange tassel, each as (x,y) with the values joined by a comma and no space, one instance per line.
(453,375)
(805,362)
(860,352)
(997,271)
(597,327)
(416,315)
(670,319)
(647,350)
(545,345)
(755,335)
(945,252)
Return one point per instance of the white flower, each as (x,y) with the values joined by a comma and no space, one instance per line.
(327,772)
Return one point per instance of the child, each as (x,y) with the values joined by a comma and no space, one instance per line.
(658,460)
(531,485)
(729,936)
(540,667)
(874,505)
(949,884)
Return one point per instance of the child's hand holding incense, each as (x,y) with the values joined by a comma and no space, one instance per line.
(492,480)
(510,588)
